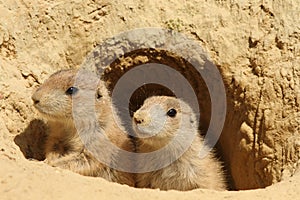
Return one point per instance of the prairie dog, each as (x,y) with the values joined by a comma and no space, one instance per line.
(155,124)
(77,106)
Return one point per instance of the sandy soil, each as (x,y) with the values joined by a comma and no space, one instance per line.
(21,179)
(255,45)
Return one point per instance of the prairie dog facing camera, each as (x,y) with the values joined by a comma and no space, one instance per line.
(77,106)
(159,120)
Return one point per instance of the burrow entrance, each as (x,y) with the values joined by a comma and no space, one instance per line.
(31,148)
(140,57)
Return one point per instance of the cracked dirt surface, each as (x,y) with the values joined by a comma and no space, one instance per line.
(255,44)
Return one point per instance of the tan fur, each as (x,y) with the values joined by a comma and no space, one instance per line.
(64,148)
(189,171)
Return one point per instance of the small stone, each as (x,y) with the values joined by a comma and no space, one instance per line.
(257,70)
(6,37)
(25,73)
(76,13)
(11,47)
(292,85)
(284,114)
(247,132)
(283,72)
(297,143)
(123,18)
(96,17)
(289,77)
(266,150)
(261,81)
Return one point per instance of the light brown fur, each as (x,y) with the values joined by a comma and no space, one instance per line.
(64,147)
(189,171)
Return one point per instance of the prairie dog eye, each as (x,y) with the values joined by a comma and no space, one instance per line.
(71,90)
(99,95)
(172,112)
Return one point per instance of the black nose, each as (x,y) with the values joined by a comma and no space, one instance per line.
(138,121)
(35,100)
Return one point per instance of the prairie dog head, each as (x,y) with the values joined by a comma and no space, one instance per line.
(162,117)
(70,93)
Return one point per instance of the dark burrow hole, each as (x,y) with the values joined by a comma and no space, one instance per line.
(146,56)
(31,141)
(145,91)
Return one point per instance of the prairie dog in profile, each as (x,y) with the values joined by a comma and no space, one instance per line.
(155,124)
(77,107)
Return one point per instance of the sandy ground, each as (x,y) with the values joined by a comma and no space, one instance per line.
(22,179)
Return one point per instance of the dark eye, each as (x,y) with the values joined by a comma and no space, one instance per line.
(71,90)
(99,96)
(172,112)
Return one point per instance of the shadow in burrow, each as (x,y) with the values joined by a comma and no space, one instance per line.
(133,59)
(32,140)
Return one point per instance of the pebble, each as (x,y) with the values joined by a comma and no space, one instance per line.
(283,72)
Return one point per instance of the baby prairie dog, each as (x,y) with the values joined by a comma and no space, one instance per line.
(163,121)
(77,107)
